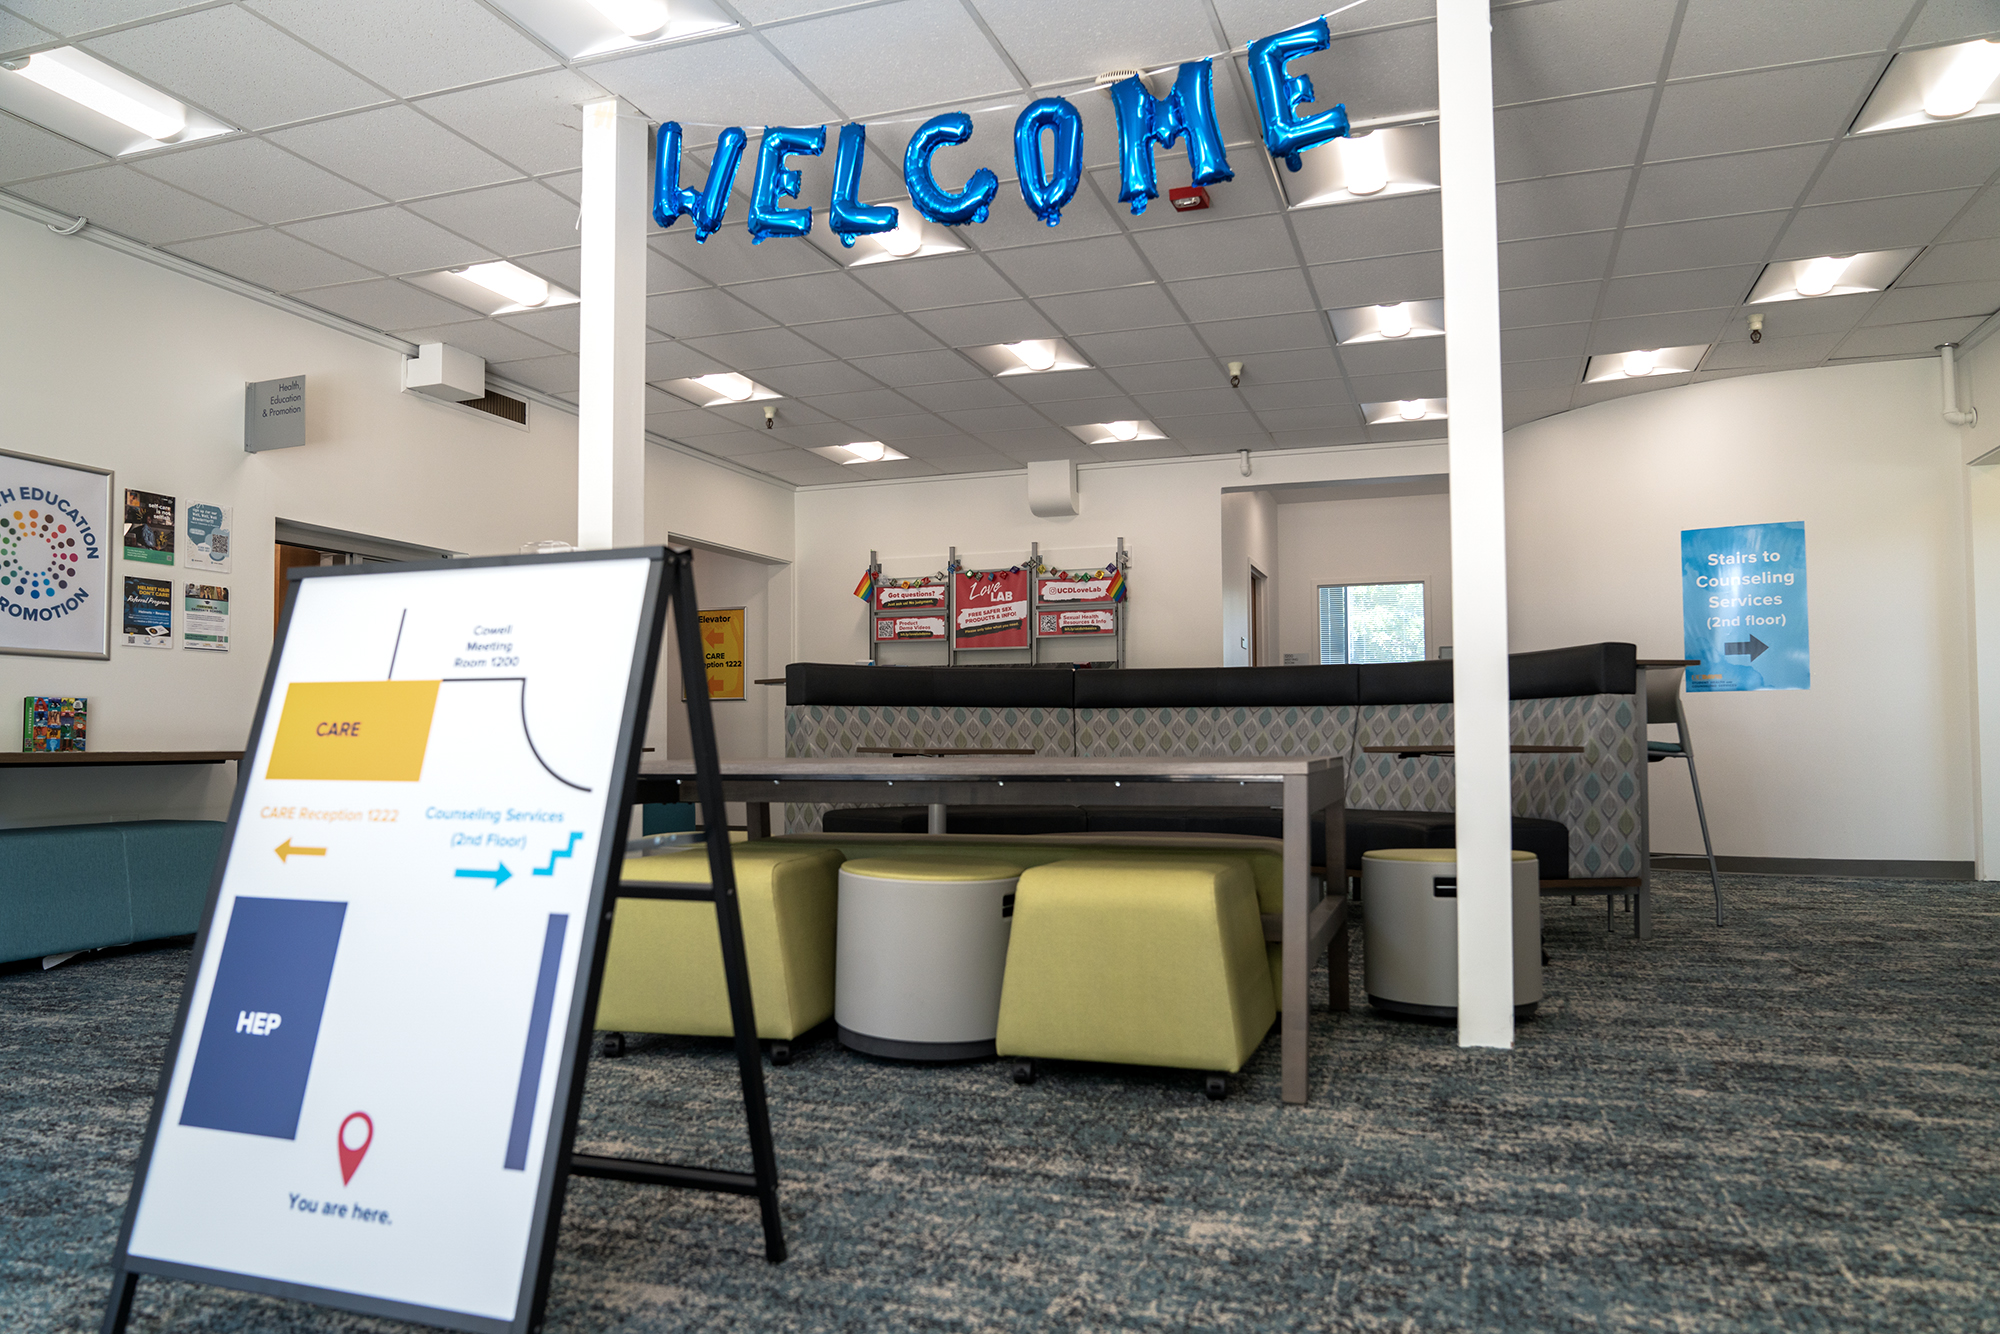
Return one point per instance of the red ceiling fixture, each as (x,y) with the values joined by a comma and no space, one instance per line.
(1188,198)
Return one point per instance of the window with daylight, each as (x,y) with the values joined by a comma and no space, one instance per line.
(1371,623)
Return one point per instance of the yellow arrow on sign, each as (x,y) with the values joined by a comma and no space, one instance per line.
(286,850)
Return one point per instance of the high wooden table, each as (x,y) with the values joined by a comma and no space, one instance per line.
(1303,788)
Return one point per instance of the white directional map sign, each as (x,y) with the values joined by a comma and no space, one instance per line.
(368,1084)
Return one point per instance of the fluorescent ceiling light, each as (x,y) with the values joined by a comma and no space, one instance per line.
(1403,412)
(1032,356)
(1829,275)
(503,279)
(1388,323)
(1362,162)
(860,451)
(1645,363)
(1116,433)
(495,288)
(1386,161)
(1934,87)
(82,98)
(721,390)
(906,238)
(913,237)
(581,29)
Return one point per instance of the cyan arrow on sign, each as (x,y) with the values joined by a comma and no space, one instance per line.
(499,877)
(1754,647)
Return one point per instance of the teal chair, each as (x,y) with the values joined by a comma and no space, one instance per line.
(1663,706)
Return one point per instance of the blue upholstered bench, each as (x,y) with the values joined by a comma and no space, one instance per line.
(81,887)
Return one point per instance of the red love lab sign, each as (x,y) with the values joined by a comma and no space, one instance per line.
(992,609)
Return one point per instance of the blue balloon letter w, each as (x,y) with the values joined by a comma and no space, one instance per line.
(670,199)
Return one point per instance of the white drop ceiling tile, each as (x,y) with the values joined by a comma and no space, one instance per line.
(1544,262)
(750,416)
(1295,394)
(1870,224)
(1254,193)
(1072,266)
(1980,221)
(1704,243)
(936,281)
(1603,390)
(670,360)
(911,427)
(980,421)
(1931,157)
(1234,340)
(1370,282)
(1066,388)
(120,199)
(702,311)
(729,257)
(874,336)
(1959,262)
(17,34)
(1314,418)
(1313,363)
(1773,354)
(1229,429)
(820,377)
(1680,329)
(1104,35)
(533,123)
(1898,340)
(519,218)
(983,460)
(1953,21)
(689,423)
(873,402)
(1908,305)
(964,395)
(1804,104)
(912,53)
(255,177)
(272,259)
(1088,411)
(235,65)
(811,298)
(1576,134)
(1386,72)
(495,340)
(1128,451)
(1241,295)
(726,81)
(390,240)
(1084,215)
(558,326)
(396,153)
(1801,319)
(384,303)
(1557,205)
(1534,404)
(815,436)
(1541,343)
(1042,445)
(1721,35)
(1163,376)
(1582,46)
(1562,303)
(1404,354)
(1709,187)
(1247,20)
(1399,225)
(1141,307)
(758,349)
(70,17)
(1558,373)
(564,268)
(411,47)
(980,326)
(1350,433)
(911,369)
(1206,250)
(1699,289)
(29,150)
(1138,346)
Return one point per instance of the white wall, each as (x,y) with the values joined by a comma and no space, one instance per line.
(1249,539)
(1980,370)
(754,726)
(1875,761)
(1363,540)
(111,361)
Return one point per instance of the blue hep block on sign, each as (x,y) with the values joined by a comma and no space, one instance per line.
(1743,606)
(263,1017)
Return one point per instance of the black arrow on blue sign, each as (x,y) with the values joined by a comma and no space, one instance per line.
(1755,648)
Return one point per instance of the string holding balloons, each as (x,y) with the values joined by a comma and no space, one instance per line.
(1049,176)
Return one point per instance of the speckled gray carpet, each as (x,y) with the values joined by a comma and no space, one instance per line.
(1787,1124)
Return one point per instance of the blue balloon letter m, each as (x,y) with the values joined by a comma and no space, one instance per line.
(1144,120)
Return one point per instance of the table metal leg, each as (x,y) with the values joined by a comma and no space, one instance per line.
(1297,962)
(937,817)
(757,819)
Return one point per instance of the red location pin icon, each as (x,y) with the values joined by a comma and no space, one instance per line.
(357,1132)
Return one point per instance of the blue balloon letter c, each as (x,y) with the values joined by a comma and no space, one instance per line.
(934,202)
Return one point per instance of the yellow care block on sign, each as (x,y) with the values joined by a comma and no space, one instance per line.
(358,731)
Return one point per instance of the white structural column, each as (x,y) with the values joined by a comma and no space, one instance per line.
(611,415)
(1478,526)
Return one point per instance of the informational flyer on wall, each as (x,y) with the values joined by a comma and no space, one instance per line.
(149,612)
(722,652)
(1052,623)
(364,1103)
(55,558)
(894,596)
(206,528)
(205,617)
(1093,593)
(149,527)
(992,609)
(888,628)
(1743,602)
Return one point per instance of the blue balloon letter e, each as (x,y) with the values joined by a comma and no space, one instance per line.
(1279,94)
(776,181)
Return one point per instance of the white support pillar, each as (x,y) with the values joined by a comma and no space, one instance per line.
(1478,526)
(611,403)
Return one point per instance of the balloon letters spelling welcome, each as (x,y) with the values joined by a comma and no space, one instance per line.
(1048,179)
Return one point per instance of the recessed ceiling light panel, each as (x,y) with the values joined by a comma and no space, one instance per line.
(495,288)
(914,237)
(1372,164)
(1393,323)
(720,390)
(82,98)
(581,29)
(860,451)
(1644,363)
(1117,433)
(1032,356)
(1939,86)
(1404,412)
(1829,275)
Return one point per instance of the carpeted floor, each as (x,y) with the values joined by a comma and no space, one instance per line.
(1787,1124)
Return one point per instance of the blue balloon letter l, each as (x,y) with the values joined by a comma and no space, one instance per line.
(1279,94)
(775,181)
(845,213)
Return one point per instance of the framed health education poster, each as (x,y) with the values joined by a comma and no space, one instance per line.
(55,557)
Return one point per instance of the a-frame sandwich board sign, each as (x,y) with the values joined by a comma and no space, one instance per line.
(371,1092)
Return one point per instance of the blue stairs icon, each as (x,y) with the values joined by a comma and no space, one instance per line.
(550,869)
